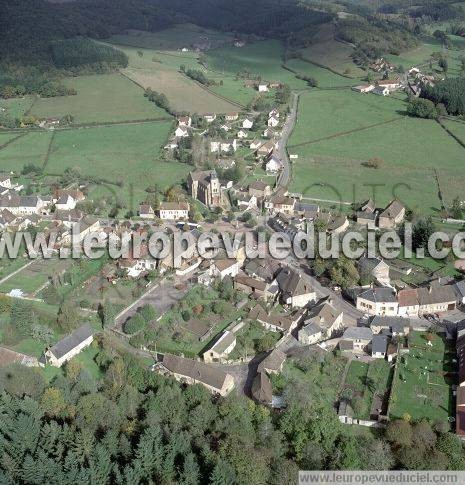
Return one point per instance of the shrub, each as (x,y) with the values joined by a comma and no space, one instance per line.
(147,312)
(134,324)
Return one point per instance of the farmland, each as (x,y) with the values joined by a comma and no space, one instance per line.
(422,388)
(16,107)
(30,148)
(409,150)
(100,98)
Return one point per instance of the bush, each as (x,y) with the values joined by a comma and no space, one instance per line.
(134,324)
(147,312)
(186,315)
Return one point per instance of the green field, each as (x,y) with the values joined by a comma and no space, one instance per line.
(16,107)
(100,98)
(31,148)
(327,113)
(127,154)
(409,148)
(262,58)
(421,389)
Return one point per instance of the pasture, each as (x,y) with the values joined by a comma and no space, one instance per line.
(422,386)
(31,148)
(327,113)
(409,150)
(17,107)
(173,38)
(126,154)
(100,98)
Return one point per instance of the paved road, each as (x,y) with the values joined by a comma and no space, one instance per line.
(285,176)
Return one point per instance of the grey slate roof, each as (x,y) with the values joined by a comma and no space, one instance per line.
(376,295)
(67,344)
(311,329)
(459,287)
(396,324)
(379,344)
(353,333)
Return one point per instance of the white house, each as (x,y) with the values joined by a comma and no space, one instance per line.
(231,116)
(70,346)
(381,91)
(263,88)
(174,211)
(364,88)
(242,134)
(184,121)
(296,289)
(221,348)
(378,301)
(254,144)
(181,132)
(274,164)
(247,124)
(223,146)
(273,113)
(65,203)
(210,117)
(273,121)
(5,181)
(224,267)
(225,128)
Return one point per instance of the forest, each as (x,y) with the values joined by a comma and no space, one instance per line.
(450,92)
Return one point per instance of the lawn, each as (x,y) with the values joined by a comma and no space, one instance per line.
(263,58)
(30,148)
(31,278)
(365,381)
(100,98)
(409,149)
(422,387)
(327,113)
(128,154)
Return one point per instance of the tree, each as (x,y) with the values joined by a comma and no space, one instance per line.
(53,402)
(421,233)
(68,317)
(443,64)
(22,316)
(399,432)
(423,435)
(148,312)
(134,324)
(422,108)
(456,210)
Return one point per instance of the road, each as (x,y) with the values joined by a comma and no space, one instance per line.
(285,176)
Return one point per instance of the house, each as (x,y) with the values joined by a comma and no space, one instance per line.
(204,186)
(258,289)
(373,270)
(7,219)
(296,289)
(391,84)
(408,302)
(359,337)
(281,203)
(262,87)
(242,134)
(262,390)
(273,113)
(273,322)
(363,88)
(393,215)
(273,362)
(326,317)
(184,121)
(22,205)
(5,181)
(254,144)
(79,230)
(269,133)
(436,299)
(247,124)
(274,164)
(310,334)
(146,211)
(381,91)
(226,146)
(379,346)
(245,201)
(181,132)
(393,326)
(367,219)
(225,128)
(378,301)
(273,122)
(65,203)
(225,267)
(231,116)
(221,348)
(260,189)
(264,269)
(209,117)
(174,211)
(266,149)
(459,288)
(337,224)
(190,372)
(70,346)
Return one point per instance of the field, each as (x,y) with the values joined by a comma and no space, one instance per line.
(367,385)
(30,148)
(421,388)
(100,98)
(16,107)
(123,153)
(34,276)
(409,150)
(327,113)
(174,38)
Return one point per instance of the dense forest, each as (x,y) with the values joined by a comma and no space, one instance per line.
(450,92)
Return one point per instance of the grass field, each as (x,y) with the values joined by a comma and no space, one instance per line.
(421,388)
(30,279)
(262,58)
(100,98)
(174,38)
(409,148)
(326,113)
(31,148)
(16,107)
(324,77)
(128,153)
